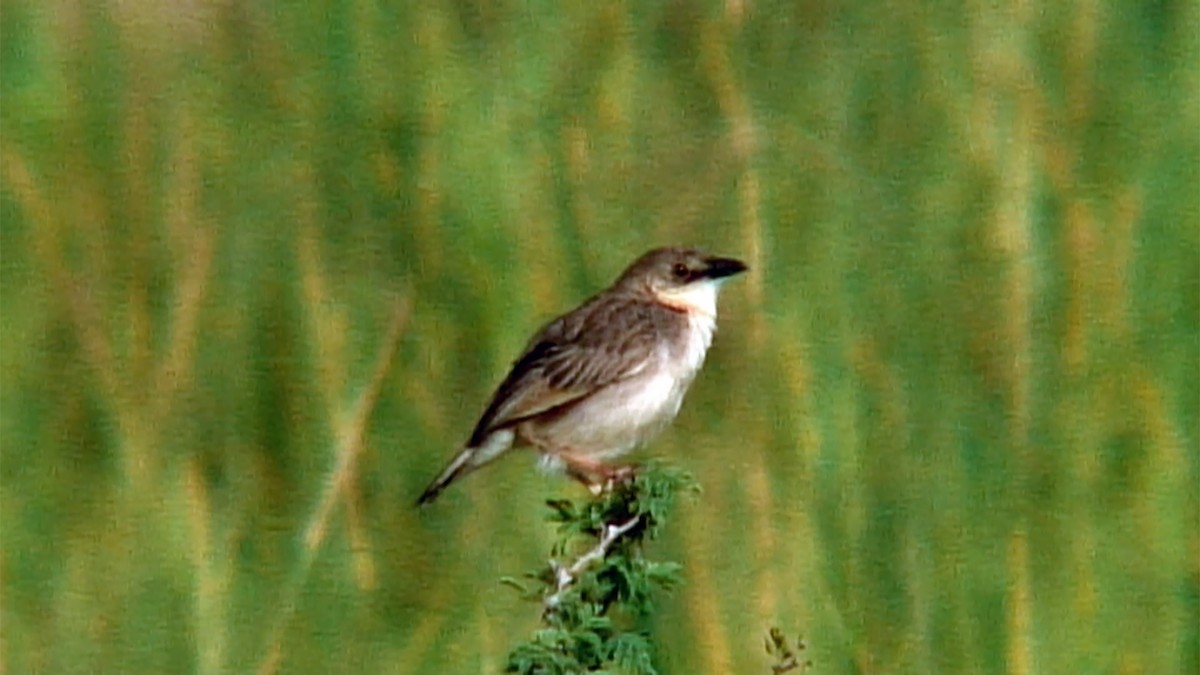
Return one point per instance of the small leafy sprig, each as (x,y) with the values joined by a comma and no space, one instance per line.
(590,602)
(786,657)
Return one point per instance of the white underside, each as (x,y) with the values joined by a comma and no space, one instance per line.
(628,413)
(618,418)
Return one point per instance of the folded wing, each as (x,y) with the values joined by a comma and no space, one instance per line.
(569,360)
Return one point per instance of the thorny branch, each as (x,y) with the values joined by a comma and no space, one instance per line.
(597,585)
(565,576)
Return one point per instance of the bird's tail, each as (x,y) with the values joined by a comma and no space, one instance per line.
(458,467)
(466,461)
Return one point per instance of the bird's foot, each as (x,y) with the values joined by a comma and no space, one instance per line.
(598,478)
(612,477)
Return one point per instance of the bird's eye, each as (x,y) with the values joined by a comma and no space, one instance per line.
(679,270)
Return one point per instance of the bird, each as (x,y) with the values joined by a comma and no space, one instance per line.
(606,377)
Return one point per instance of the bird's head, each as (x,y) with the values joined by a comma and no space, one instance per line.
(684,278)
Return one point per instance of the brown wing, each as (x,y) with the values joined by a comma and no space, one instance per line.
(604,341)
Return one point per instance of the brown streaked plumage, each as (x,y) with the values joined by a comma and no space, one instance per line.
(599,380)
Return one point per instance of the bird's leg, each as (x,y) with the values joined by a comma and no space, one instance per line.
(623,473)
(620,475)
(576,466)
(587,471)
(595,476)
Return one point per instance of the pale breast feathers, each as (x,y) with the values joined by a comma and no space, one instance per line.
(575,356)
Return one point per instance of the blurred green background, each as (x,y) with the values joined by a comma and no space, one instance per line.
(262,265)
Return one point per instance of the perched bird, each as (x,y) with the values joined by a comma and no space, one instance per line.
(599,380)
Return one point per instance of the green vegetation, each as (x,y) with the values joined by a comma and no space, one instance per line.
(599,584)
(262,264)
(787,657)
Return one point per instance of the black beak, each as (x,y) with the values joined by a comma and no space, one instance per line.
(719,268)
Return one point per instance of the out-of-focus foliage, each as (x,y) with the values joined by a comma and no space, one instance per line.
(262,263)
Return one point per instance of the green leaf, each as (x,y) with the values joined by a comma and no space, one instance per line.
(513,583)
(563,510)
(588,629)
